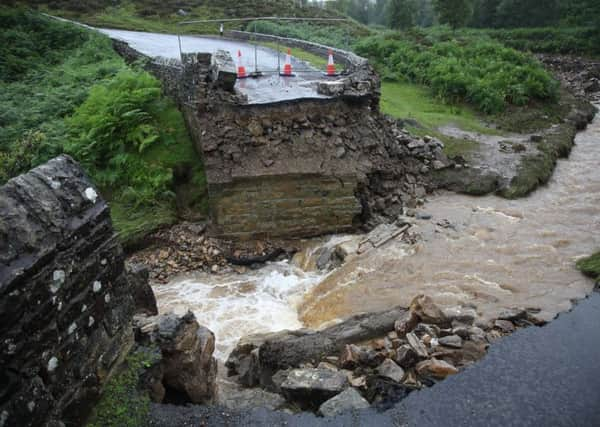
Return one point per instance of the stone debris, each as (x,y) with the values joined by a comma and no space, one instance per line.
(313,386)
(348,400)
(435,368)
(186,247)
(389,369)
(410,349)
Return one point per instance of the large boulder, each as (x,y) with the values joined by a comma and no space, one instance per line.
(310,387)
(189,369)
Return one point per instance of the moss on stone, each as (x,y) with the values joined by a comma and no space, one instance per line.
(122,403)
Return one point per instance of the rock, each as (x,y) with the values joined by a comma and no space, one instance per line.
(435,368)
(453,341)
(505,326)
(187,350)
(233,397)
(462,331)
(513,314)
(389,369)
(296,347)
(384,393)
(406,323)
(438,165)
(406,356)
(224,72)
(309,388)
(424,307)
(348,400)
(143,296)
(592,86)
(416,345)
(351,357)
(255,128)
(536,138)
(460,314)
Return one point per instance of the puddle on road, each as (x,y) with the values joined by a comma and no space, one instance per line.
(488,251)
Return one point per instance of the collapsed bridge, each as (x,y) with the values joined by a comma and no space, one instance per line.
(323,162)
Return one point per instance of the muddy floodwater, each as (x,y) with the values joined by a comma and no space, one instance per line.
(486,252)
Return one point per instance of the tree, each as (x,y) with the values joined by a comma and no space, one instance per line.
(401,13)
(455,13)
(527,13)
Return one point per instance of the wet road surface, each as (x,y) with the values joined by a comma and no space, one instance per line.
(269,88)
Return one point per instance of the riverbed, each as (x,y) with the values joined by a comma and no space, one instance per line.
(483,252)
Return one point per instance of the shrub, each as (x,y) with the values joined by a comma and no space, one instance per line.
(476,70)
(113,128)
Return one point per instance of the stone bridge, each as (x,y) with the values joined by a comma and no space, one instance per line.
(299,167)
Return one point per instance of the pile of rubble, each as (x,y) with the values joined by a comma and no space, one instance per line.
(369,360)
(186,247)
(581,76)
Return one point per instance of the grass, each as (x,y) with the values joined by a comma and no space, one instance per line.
(412,101)
(122,403)
(144,169)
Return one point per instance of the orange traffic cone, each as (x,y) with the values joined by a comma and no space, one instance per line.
(287,67)
(241,70)
(331,65)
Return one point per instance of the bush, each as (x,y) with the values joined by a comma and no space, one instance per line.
(112,130)
(478,70)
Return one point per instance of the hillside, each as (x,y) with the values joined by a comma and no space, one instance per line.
(164,15)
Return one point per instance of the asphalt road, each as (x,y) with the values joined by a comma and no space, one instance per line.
(548,376)
(269,88)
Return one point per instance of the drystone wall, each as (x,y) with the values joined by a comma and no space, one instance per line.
(65,307)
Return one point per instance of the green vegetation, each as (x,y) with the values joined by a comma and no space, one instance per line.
(562,40)
(122,404)
(411,101)
(479,71)
(590,266)
(340,35)
(165,15)
(83,100)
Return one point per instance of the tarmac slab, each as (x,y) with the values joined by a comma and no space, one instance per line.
(270,88)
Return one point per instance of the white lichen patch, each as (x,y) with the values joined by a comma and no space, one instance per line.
(54,184)
(31,406)
(58,279)
(90,321)
(91,194)
(96,286)
(107,298)
(103,261)
(59,306)
(3,418)
(84,308)
(72,328)
(52,364)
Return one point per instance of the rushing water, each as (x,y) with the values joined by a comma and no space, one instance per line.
(487,252)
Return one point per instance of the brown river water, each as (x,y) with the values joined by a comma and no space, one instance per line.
(485,252)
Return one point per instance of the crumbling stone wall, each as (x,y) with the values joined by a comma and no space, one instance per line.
(303,167)
(65,307)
